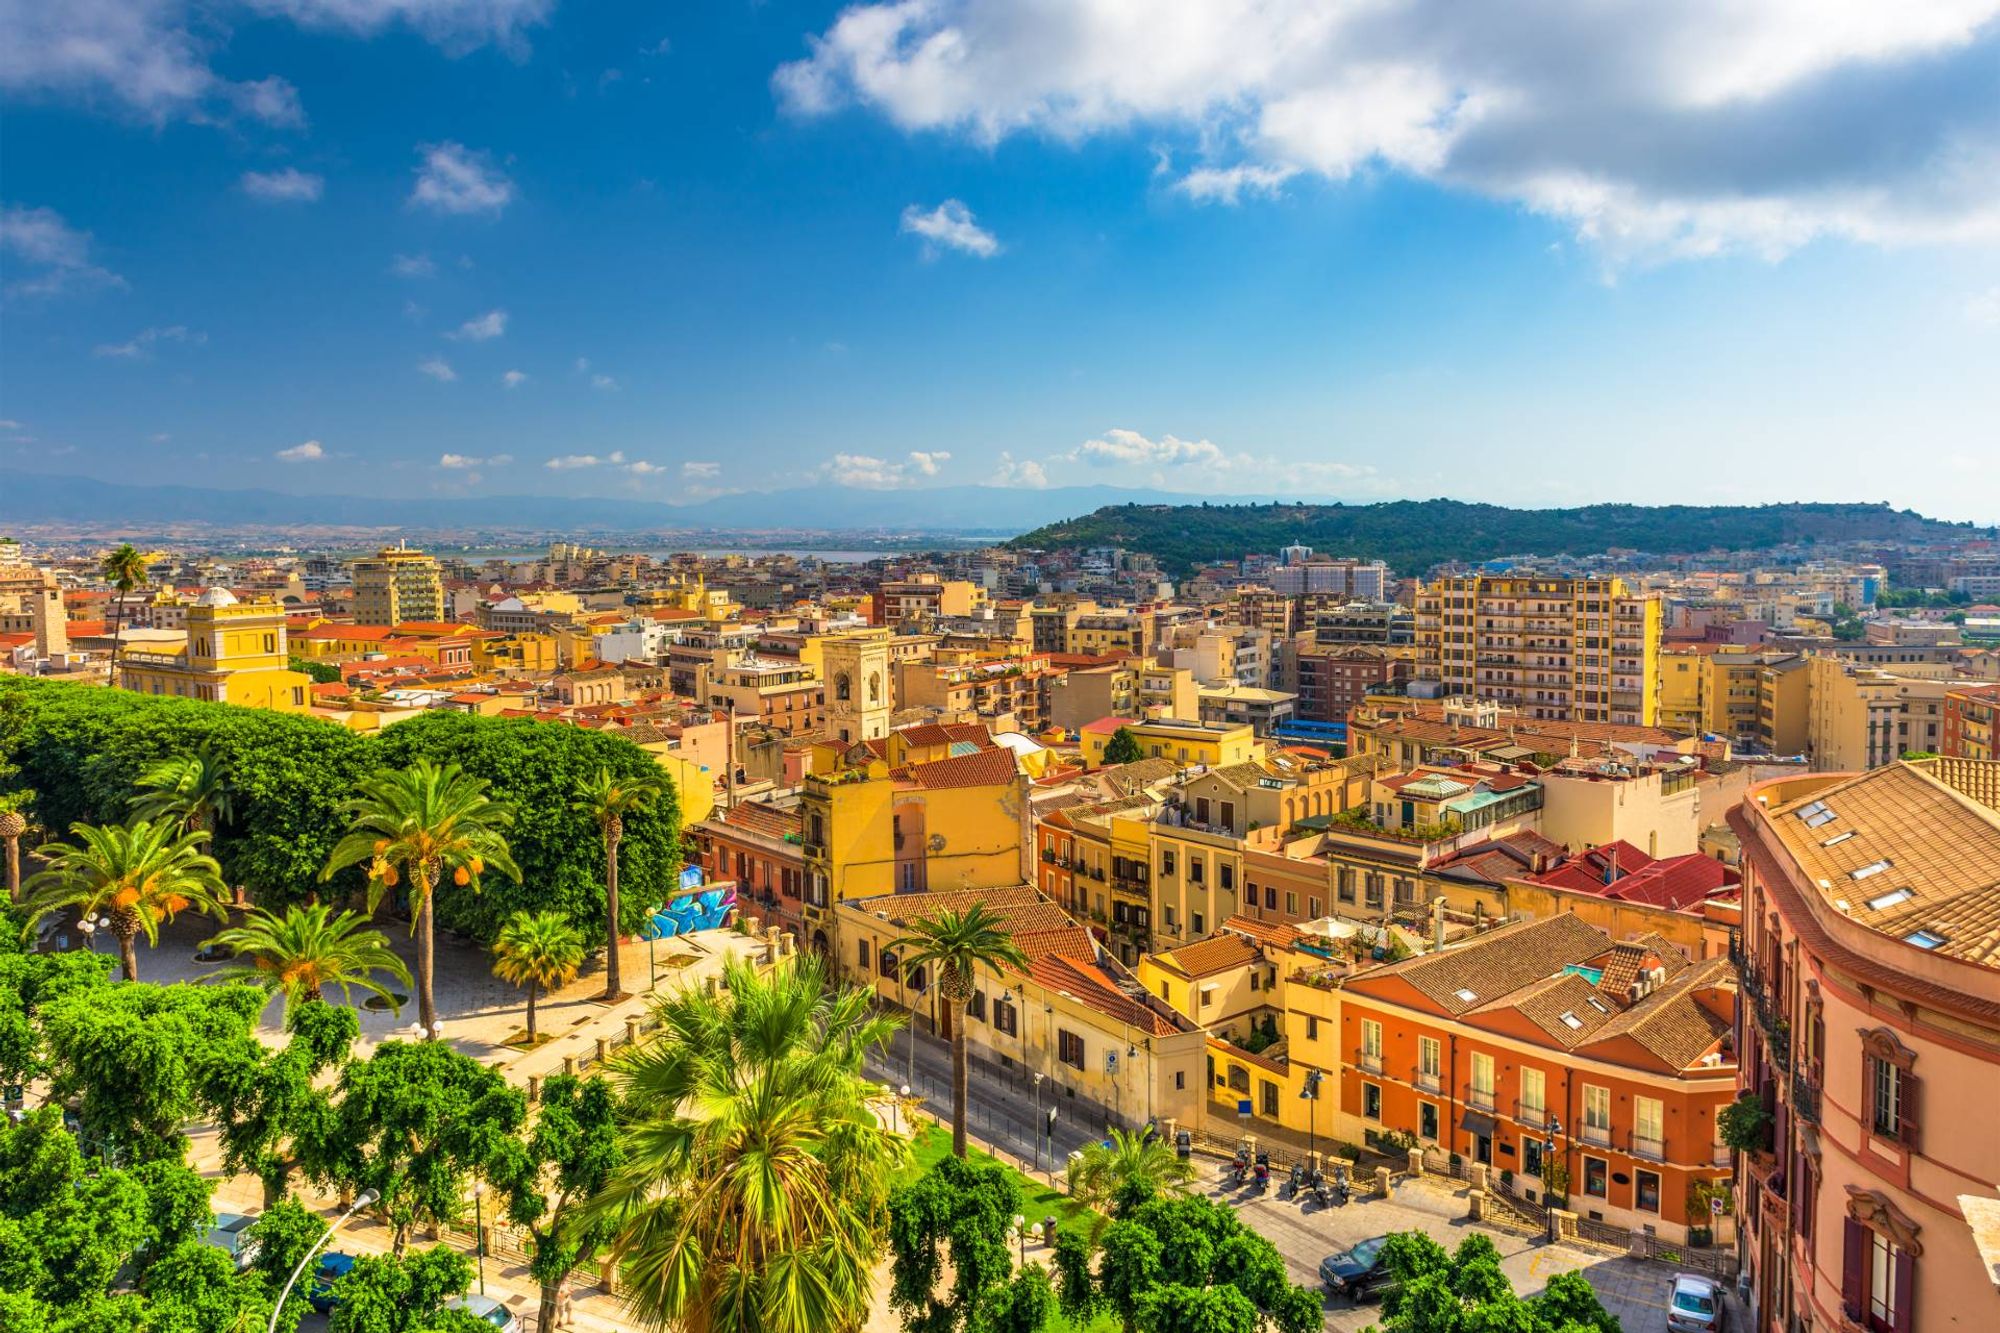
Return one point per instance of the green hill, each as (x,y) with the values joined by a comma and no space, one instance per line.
(1413,535)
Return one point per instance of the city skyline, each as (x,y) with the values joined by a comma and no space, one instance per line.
(522,248)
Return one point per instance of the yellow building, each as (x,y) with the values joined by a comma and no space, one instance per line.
(1862,717)
(235,653)
(1784,699)
(1574,650)
(517,654)
(1683,688)
(1184,742)
(398,583)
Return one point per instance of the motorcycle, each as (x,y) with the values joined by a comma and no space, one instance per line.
(1263,1172)
(1239,1168)
(1341,1193)
(1294,1184)
(1319,1193)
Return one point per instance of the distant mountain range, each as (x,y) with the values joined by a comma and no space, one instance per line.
(1413,535)
(35,497)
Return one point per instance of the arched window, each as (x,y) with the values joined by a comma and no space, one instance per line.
(874,687)
(842,687)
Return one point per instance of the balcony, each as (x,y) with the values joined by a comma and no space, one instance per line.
(1479,1099)
(1805,1097)
(1719,1154)
(1429,1082)
(1371,1063)
(1599,1135)
(1533,1116)
(1653,1150)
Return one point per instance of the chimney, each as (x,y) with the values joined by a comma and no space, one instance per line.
(1437,922)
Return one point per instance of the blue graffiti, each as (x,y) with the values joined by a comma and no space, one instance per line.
(690,913)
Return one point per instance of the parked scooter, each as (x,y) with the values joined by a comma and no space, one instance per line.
(1263,1172)
(1240,1167)
(1341,1192)
(1292,1186)
(1320,1196)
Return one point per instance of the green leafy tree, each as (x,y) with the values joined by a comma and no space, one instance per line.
(191,790)
(754,1191)
(286,1233)
(539,950)
(302,951)
(1128,1269)
(1569,1301)
(124,568)
(609,798)
(322,673)
(14,800)
(1745,1125)
(426,823)
(195,1288)
(1123,748)
(957,945)
(1176,1309)
(416,1121)
(1124,1162)
(65,1229)
(1024,1305)
(959,1211)
(405,1294)
(565,1162)
(27,982)
(270,1105)
(1076,1285)
(139,876)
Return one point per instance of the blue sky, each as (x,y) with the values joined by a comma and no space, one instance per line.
(1336,249)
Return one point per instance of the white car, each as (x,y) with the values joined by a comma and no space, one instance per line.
(486,1308)
(229,1232)
(1695,1306)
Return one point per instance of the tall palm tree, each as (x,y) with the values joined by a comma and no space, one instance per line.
(139,875)
(608,800)
(754,1193)
(13,823)
(192,790)
(124,568)
(422,823)
(308,949)
(539,950)
(957,943)
(1141,1158)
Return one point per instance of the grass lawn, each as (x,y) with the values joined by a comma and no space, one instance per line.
(1038,1200)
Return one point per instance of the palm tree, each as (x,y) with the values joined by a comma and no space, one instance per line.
(539,950)
(423,822)
(308,949)
(958,943)
(754,1193)
(124,569)
(1097,1176)
(608,800)
(13,823)
(138,875)
(192,790)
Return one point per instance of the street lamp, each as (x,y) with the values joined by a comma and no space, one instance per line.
(366,1198)
(1548,1195)
(1038,1116)
(652,943)
(1021,1233)
(479,1229)
(1310,1092)
(89,926)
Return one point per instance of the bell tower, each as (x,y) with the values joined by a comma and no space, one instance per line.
(857,687)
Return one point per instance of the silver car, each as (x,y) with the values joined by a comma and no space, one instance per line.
(230,1233)
(1695,1306)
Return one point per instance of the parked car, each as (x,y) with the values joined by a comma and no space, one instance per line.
(486,1308)
(1359,1273)
(333,1266)
(229,1232)
(1695,1306)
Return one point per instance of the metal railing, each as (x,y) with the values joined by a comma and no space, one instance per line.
(1596,1135)
(1534,1116)
(1654,1150)
(1805,1097)
(1479,1099)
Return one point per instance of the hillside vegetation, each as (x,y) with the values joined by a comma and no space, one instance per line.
(1413,535)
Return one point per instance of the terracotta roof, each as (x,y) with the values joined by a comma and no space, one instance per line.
(1272,934)
(1139,774)
(757,817)
(1095,987)
(984,768)
(1670,1023)
(927,734)
(1475,974)
(1205,958)
(1586,872)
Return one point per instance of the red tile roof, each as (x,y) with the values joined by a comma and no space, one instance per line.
(984,768)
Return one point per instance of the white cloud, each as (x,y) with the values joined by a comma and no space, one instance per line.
(141,344)
(460,462)
(454,179)
(309,452)
(152,58)
(1024,473)
(950,226)
(478,329)
(1129,448)
(603,382)
(286,185)
(643,469)
(55,255)
(514,379)
(438,369)
(1984,309)
(412,266)
(571,461)
(701,471)
(1687,129)
(865,472)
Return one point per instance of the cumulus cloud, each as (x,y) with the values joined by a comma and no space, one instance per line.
(309,452)
(412,266)
(438,369)
(140,346)
(460,462)
(603,382)
(866,472)
(950,226)
(1025,473)
(54,255)
(452,178)
(152,59)
(481,327)
(1651,131)
(701,471)
(514,379)
(1116,448)
(643,469)
(286,185)
(571,461)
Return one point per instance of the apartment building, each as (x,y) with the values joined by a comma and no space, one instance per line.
(1871,1037)
(1563,649)
(777,693)
(1184,741)
(1862,717)
(397,583)
(1357,580)
(1619,1053)
(1334,678)
(1968,722)
(235,653)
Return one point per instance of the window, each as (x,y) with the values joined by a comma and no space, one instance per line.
(1270,898)
(1646,1191)
(1312,1027)
(1372,894)
(1197,871)
(861,947)
(1886,1098)
(1534,1094)
(1269,1091)
(1890,1091)
(1229,815)
(1069,1048)
(1346,887)
(1006,1018)
(1166,863)
(1180,1080)
(1371,1044)
(1649,1134)
(1427,1120)
(1197,922)
(1225,876)
(1597,1114)
(1371,1101)
(1482,1080)
(1531,1155)
(1594,1177)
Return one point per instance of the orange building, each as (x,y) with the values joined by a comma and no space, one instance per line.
(1549,1031)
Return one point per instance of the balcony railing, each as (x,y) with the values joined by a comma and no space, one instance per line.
(1720,1155)
(1805,1097)
(1371,1063)
(1430,1082)
(1479,1099)
(1652,1149)
(1530,1115)
(1599,1135)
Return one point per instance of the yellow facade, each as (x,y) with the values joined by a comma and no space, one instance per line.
(518,654)
(1683,689)
(1183,742)
(235,653)
(395,585)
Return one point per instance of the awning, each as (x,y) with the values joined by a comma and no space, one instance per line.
(1477,1122)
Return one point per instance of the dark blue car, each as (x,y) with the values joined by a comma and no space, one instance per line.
(333,1266)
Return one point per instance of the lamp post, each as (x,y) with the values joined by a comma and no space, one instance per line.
(1038,1116)
(1310,1092)
(1548,1195)
(365,1198)
(89,926)
(479,1229)
(1021,1233)
(653,942)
